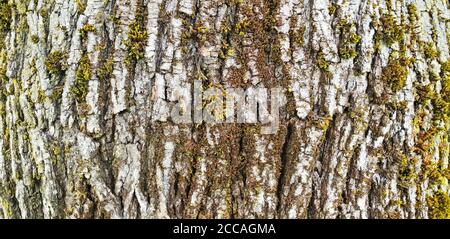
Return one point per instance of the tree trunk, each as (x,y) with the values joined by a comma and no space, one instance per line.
(86,87)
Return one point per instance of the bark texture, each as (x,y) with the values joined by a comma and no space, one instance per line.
(85,85)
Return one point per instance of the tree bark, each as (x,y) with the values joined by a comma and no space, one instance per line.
(85,87)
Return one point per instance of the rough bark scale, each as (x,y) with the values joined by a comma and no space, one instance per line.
(364,133)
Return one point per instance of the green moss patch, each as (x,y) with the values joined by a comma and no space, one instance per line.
(83,75)
(396,73)
(5,15)
(56,63)
(439,205)
(137,38)
(347,48)
(85,30)
(81,5)
(430,50)
(392,32)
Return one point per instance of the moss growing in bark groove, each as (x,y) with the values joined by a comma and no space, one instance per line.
(137,37)
(56,62)
(5,15)
(81,5)
(445,67)
(7,209)
(83,75)
(105,70)
(296,36)
(441,109)
(439,205)
(332,8)
(5,18)
(226,51)
(412,12)
(433,141)
(396,73)
(392,32)
(322,63)
(85,30)
(445,81)
(347,49)
(3,92)
(35,39)
(441,101)
(430,51)
(347,52)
